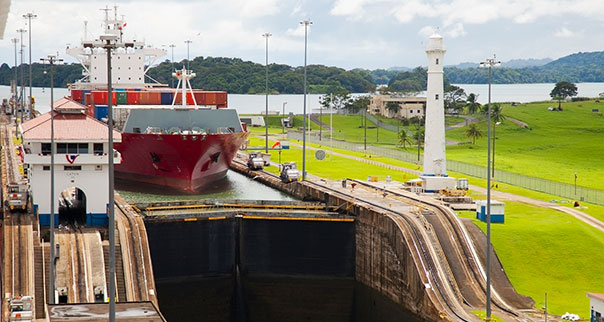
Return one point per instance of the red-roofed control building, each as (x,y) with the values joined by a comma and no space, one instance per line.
(596,305)
(81,162)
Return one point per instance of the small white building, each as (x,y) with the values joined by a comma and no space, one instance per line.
(408,106)
(596,306)
(80,165)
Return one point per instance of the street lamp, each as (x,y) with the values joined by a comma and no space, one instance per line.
(306,23)
(30,16)
(172,47)
(489,63)
(52,60)
(188,42)
(22,100)
(575,186)
(15,41)
(266,35)
(282,121)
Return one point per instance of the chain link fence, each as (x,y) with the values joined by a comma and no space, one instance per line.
(564,190)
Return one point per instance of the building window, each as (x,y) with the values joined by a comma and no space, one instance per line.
(418,111)
(98,148)
(46,167)
(98,167)
(436,61)
(436,96)
(72,148)
(45,148)
(411,111)
(72,168)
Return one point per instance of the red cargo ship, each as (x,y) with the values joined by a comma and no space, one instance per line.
(166,140)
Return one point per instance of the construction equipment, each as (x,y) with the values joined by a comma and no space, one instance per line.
(289,172)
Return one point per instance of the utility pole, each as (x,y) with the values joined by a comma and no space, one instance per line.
(172,47)
(15,41)
(52,60)
(22,93)
(188,42)
(305,23)
(29,16)
(266,35)
(282,120)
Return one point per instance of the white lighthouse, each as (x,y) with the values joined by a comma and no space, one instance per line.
(435,161)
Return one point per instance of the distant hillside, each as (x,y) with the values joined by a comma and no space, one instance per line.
(579,67)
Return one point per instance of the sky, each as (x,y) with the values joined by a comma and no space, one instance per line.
(368,34)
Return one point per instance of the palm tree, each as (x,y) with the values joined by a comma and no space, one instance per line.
(473,132)
(393,107)
(404,137)
(472,103)
(496,118)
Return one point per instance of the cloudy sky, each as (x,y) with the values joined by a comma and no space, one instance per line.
(345,33)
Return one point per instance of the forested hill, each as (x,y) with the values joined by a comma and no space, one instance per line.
(579,67)
(225,74)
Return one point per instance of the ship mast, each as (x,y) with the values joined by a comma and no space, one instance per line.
(184,84)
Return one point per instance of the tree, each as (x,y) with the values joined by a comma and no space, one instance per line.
(454,97)
(337,100)
(357,104)
(473,132)
(562,90)
(393,107)
(404,137)
(472,103)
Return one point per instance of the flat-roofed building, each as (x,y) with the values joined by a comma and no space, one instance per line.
(409,106)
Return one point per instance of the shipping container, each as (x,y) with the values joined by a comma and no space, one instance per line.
(100,111)
(133,98)
(87,99)
(166,98)
(221,99)
(179,100)
(99,97)
(200,97)
(90,110)
(210,98)
(122,97)
(144,98)
(155,98)
(76,95)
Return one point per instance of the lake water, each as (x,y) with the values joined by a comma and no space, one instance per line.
(255,104)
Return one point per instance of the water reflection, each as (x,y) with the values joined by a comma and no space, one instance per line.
(233,186)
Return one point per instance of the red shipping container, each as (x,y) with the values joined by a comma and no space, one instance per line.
(210,98)
(133,98)
(221,99)
(90,110)
(155,98)
(99,97)
(144,98)
(87,99)
(114,96)
(76,95)
(200,97)
(189,99)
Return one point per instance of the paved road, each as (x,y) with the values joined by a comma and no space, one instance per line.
(497,194)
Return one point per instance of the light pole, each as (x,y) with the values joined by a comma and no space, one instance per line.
(30,16)
(306,23)
(188,42)
(15,41)
(22,31)
(266,35)
(575,186)
(282,121)
(52,60)
(172,47)
(489,63)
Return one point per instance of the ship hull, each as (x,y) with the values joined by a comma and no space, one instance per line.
(181,161)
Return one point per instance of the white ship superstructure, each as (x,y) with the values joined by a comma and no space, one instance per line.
(130,60)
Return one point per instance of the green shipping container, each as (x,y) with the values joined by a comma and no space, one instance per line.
(122,98)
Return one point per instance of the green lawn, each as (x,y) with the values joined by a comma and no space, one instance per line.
(544,250)
(554,147)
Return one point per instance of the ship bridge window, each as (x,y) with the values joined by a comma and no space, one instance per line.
(98,148)
(136,130)
(45,148)
(72,168)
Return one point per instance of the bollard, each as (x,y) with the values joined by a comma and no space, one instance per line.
(388,179)
(344,183)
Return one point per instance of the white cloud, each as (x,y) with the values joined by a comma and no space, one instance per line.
(456,30)
(426,31)
(297,32)
(564,33)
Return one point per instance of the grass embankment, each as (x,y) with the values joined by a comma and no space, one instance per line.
(555,145)
(542,250)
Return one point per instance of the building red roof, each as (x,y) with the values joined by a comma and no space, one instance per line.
(69,125)
(596,296)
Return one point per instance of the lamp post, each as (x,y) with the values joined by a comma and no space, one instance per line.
(52,60)
(29,16)
(282,122)
(266,35)
(188,42)
(15,41)
(305,23)
(489,63)
(575,185)
(172,47)
(22,100)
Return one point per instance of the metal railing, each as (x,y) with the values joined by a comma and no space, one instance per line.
(564,190)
